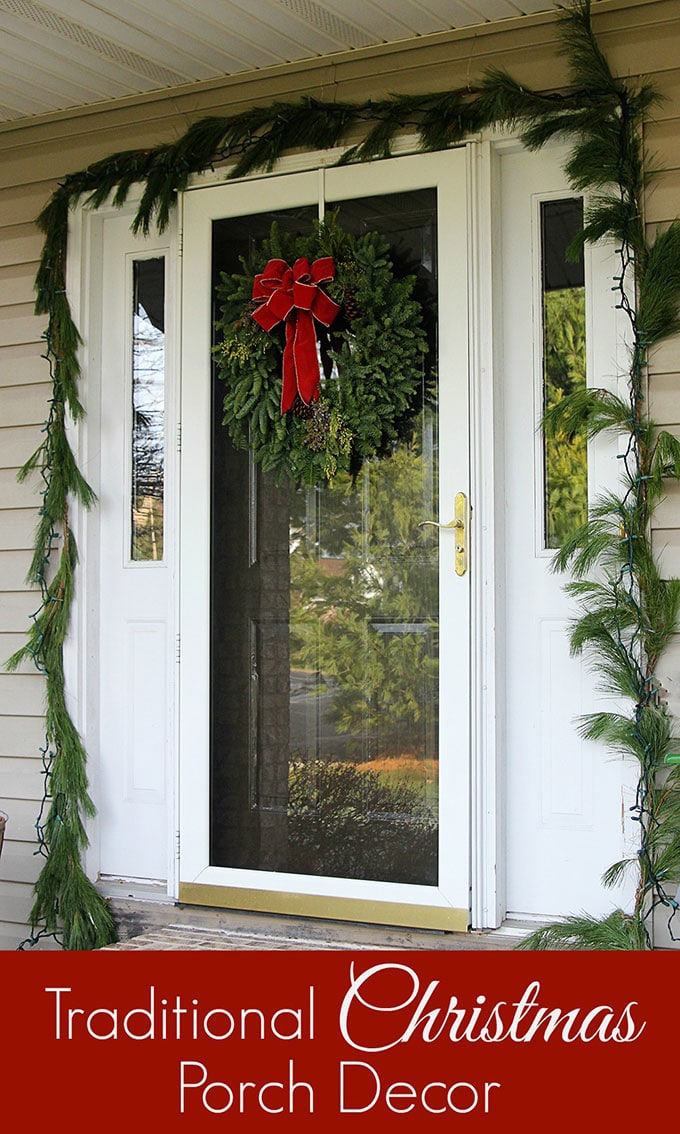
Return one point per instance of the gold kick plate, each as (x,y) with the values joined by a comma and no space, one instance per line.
(459,524)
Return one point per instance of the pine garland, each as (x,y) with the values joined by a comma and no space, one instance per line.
(628,611)
(66,904)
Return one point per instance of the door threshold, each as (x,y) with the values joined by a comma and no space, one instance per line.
(140,915)
(136,889)
(516,928)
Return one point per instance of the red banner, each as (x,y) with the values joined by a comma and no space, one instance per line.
(332,1041)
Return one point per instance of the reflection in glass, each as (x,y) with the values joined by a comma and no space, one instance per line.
(325,630)
(364,674)
(148,408)
(564,367)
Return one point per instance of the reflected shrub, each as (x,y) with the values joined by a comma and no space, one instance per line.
(345,821)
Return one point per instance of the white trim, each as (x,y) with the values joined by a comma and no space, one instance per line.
(486,852)
(175,501)
(81,670)
(408,145)
(534,814)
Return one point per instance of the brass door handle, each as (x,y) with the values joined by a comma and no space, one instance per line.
(459,524)
(434,524)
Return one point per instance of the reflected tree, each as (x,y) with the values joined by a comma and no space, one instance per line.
(564,370)
(364,599)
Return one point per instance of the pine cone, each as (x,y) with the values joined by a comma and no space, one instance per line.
(350,305)
(301,409)
(318,427)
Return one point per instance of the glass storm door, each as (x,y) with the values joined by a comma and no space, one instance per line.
(325,636)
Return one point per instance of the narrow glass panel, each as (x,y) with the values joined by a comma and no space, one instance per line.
(564,367)
(148,408)
(325,627)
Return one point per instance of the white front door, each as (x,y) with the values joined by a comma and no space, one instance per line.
(310,784)
(566,798)
(129,662)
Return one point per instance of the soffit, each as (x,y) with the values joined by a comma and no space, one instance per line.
(61,54)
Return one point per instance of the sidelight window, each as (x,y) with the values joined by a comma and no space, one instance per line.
(565,496)
(148,410)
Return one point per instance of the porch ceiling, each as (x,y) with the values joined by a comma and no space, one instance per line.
(57,54)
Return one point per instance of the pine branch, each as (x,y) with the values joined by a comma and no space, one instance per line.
(617,931)
(588,65)
(588,411)
(615,874)
(658,312)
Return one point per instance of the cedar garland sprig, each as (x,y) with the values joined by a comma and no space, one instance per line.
(66,904)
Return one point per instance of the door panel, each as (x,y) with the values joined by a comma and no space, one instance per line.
(134,556)
(566,797)
(322,759)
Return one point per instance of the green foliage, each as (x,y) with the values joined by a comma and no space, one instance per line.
(372,362)
(658,310)
(585,409)
(349,822)
(65,901)
(663,835)
(615,931)
(564,373)
(382,681)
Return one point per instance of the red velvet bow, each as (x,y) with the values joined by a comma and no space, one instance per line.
(293,295)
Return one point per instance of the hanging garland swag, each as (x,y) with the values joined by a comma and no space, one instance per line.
(321,360)
(628,613)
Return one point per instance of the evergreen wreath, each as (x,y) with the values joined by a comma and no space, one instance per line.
(368,361)
(629,612)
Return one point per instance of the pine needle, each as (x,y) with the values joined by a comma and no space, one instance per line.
(617,931)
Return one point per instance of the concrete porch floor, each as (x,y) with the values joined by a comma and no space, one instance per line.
(145,923)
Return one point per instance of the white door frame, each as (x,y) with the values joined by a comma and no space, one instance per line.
(487,829)
(485,796)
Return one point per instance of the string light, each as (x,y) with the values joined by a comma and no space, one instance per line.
(651,892)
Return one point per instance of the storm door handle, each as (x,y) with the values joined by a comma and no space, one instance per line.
(459,524)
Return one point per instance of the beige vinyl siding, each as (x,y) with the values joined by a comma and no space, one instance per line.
(662,205)
(639,36)
(21,704)
(24,393)
(24,390)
